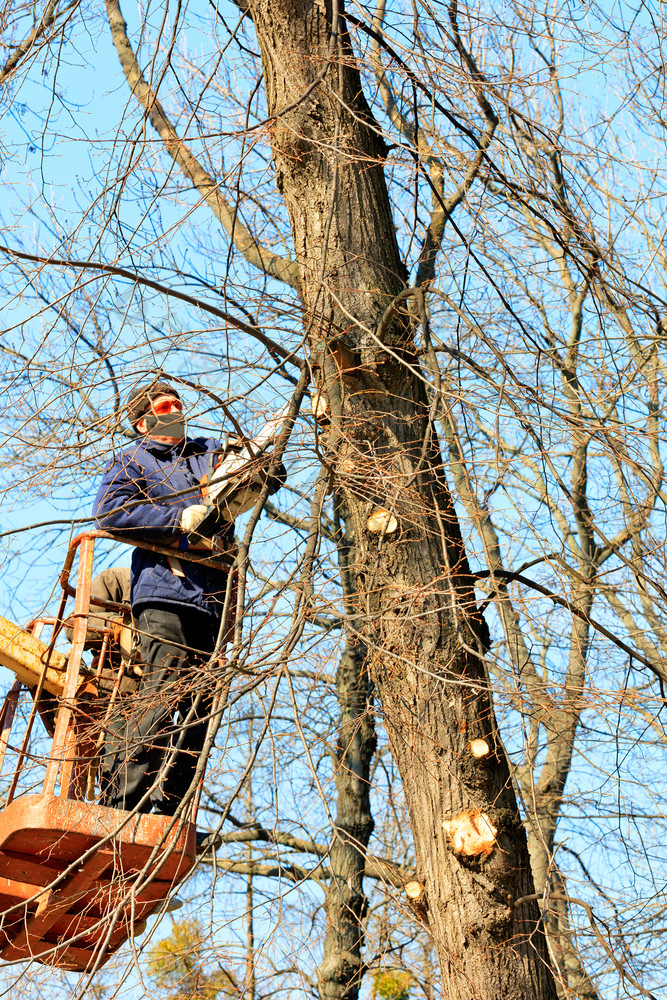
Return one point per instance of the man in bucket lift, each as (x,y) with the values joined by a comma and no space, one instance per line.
(153,490)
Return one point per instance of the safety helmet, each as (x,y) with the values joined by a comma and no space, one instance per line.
(139,400)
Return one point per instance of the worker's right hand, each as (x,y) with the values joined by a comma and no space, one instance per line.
(193,516)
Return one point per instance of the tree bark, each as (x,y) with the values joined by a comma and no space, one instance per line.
(339,975)
(415,610)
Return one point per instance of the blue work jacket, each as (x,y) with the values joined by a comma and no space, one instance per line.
(143,493)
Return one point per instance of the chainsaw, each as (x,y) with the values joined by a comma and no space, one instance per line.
(232,485)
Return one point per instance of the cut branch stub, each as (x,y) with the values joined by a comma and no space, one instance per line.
(413,890)
(320,408)
(471,833)
(382,520)
(479,748)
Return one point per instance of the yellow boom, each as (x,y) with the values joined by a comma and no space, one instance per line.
(23,654)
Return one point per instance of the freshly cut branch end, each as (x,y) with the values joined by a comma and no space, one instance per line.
(479,748)
(471,833)
(413,890)
(382,520)
(320,407)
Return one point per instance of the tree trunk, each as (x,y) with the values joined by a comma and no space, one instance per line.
(547,799)
(415,609)
(339,975)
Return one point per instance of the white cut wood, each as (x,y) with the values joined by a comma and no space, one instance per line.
(382,520)
(413,889)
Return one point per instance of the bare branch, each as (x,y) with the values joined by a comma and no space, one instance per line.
(272,264)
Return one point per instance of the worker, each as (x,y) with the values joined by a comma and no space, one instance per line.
(152,490)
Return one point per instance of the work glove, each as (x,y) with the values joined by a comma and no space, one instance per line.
(193,516)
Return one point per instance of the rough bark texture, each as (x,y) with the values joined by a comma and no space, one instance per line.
(415,609)
(345,905)
(340,973)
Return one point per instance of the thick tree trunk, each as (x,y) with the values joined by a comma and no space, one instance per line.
(415,607)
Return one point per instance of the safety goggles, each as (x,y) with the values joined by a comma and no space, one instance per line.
(166,405)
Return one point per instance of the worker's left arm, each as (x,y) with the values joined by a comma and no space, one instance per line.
(127,502)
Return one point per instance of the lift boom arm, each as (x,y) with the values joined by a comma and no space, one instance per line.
(24,655)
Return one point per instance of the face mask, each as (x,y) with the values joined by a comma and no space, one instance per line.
(165,425)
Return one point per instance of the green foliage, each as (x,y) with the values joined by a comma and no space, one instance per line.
(393,984)
(180,965)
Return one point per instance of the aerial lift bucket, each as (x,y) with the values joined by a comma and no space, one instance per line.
(77,879)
